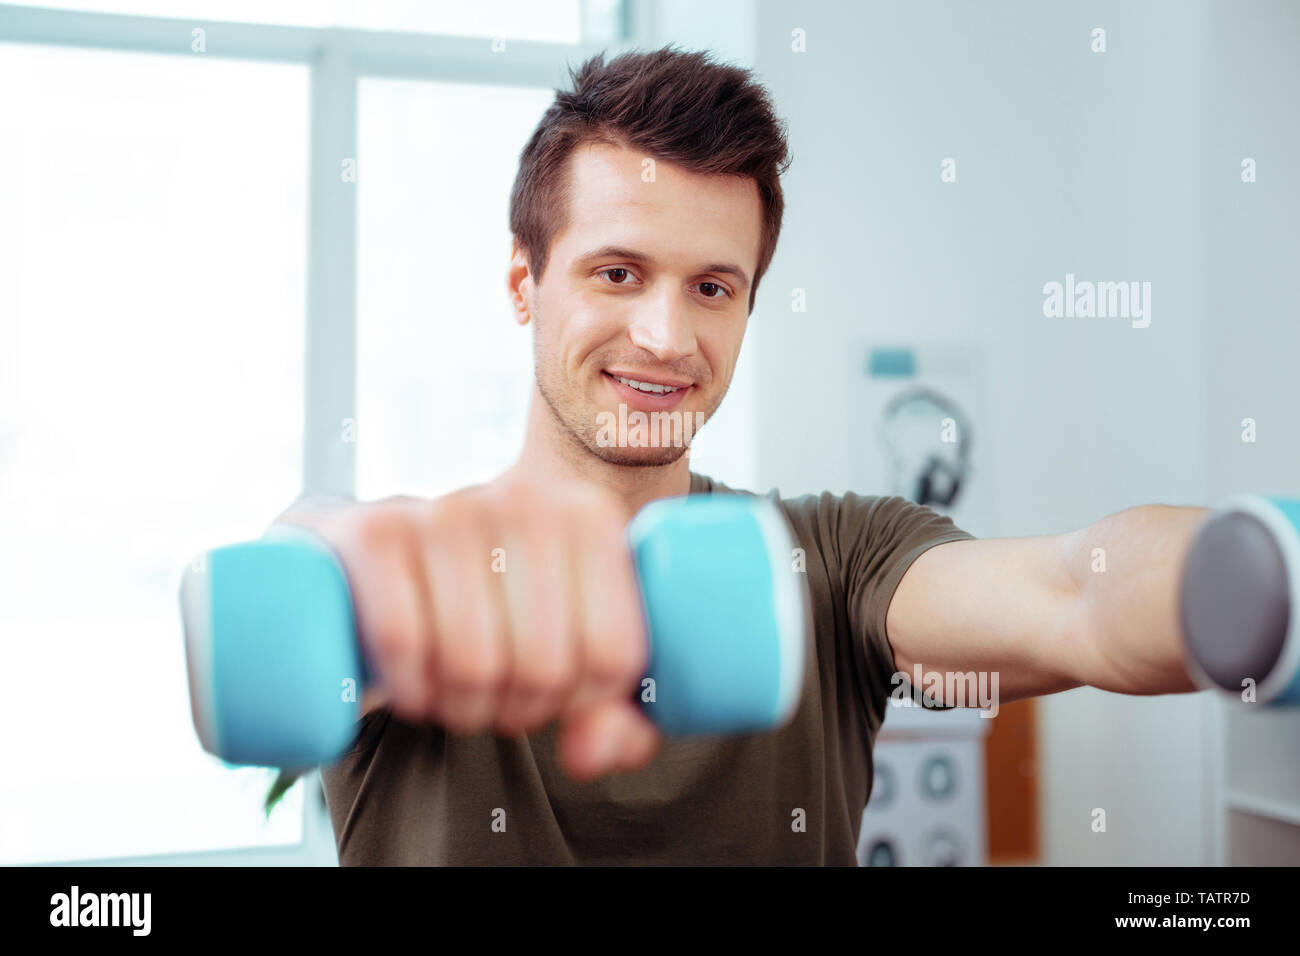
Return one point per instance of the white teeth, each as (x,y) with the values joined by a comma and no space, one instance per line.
(647,386)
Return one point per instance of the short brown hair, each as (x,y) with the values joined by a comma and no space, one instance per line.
(678,106)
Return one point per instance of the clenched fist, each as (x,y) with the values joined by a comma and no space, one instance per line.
(501,607)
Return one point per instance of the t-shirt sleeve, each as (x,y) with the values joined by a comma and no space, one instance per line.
(879,539)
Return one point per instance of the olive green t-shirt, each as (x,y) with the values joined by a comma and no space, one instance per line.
(416,795)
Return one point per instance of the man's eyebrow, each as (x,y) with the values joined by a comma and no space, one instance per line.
(622,252)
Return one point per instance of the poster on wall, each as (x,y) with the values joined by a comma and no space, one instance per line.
(926,431)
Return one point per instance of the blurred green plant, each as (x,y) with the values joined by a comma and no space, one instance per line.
(284,780)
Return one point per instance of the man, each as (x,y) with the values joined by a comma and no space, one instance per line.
(646,211)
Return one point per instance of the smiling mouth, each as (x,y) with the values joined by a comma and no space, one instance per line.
(650,388)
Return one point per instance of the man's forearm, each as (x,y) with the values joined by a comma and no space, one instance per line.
(1128,567)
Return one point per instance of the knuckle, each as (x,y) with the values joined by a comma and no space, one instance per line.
(620,626)
(543,674)
(595,509)
(529,518)
(377,529)
(475,665)
(507,493)
(614,661)
(451,519)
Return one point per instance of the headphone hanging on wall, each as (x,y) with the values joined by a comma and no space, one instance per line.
(940,480)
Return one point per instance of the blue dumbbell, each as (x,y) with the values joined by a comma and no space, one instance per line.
(276,669)
(1240,600)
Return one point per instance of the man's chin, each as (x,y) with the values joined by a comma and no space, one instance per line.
(638,457)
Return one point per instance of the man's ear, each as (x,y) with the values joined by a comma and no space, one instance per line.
(519,283)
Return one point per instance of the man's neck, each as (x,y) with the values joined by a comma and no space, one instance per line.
(554,457)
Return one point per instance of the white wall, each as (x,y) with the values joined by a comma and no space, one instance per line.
(1251,96)
(1068,161)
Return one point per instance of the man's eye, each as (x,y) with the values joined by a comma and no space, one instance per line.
(622,274)
(704,286)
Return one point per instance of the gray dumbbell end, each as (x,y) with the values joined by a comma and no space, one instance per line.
(1235,601)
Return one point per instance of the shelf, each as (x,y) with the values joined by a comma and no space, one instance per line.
(1278,810)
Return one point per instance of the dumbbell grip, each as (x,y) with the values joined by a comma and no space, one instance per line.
(277,672)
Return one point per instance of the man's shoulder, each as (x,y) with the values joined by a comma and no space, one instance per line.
(820,507)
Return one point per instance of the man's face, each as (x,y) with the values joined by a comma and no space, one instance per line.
(640,286)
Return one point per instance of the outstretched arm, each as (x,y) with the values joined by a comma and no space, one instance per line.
(1096,606)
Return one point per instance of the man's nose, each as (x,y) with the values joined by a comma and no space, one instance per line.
(663,326)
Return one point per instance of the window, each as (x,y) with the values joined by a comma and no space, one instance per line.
(152,216)
(433,314)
